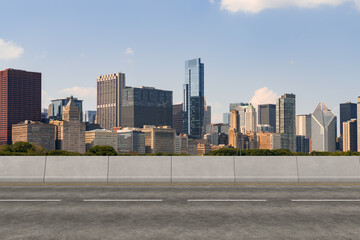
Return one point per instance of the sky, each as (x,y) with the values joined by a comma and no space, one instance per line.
(253,50)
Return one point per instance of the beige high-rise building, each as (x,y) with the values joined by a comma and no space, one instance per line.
(109,100)
(303,125)
(264,141)
(350,135)
(250,119)
(100,137)
(159,139)
(70,132)
(234,131)
(269,141)
(34,132)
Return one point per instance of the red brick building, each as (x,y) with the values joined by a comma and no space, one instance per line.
(20,100)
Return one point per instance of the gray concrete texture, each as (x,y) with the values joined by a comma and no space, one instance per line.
(76,169)
(266,169)
(140,169)
(179,169)
(203,169)
(175,217)
(22,169)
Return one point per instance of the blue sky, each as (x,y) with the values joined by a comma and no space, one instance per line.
(308,47)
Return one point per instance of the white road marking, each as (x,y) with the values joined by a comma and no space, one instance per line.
(226,200)
(30,200)
(325,200)
(122,200)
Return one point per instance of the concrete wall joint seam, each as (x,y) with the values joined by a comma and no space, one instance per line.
(44,169)
(234,166)
(108,169)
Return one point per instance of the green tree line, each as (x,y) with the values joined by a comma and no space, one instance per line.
(276,152)
(28,149)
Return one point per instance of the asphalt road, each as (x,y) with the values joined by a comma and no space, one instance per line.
(180,211)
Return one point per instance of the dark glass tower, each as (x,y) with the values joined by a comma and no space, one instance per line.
(146,106)
(348,111)
(267,114)
(194,98)
(20,100)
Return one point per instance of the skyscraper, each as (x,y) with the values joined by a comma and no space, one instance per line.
(56,108)
(207,116)
(20,100)
(241,107)
(70,132)
(350,135)
(267,115)
(250,119)
(303,125)
(194,98)
(348,111)
(178,117)
(323,129)
(285,121)
(109,100)
(146,106)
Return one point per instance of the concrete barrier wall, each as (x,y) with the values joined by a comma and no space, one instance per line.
(22,168)
(140,169)
(179,169)
(203,169)
(329,169)
(266,169)
(76,169)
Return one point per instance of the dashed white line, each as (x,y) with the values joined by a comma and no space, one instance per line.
(122,200)
(325,200)
(30,200)
(226,200)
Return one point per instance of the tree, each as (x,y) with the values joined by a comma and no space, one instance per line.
(102,151)
(62,153)
(22,147)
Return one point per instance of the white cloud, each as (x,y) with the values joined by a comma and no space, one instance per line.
(263,96)
(9,50)
(88,94)
(129,51)
(81,92)
(256,6)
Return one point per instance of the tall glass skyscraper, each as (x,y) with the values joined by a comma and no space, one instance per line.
(194,98)
(285,121)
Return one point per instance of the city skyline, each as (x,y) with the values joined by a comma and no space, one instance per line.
(311,45)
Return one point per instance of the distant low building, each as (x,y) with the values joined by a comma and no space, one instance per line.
(34,132)
(130,140)
(198,147)
(159,139)
(181,144)
(269,140)
(100,137)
